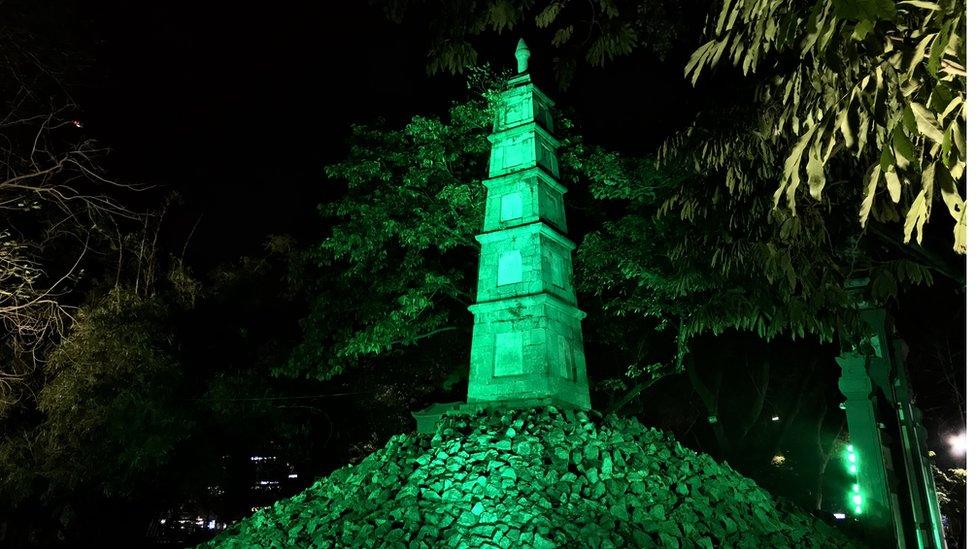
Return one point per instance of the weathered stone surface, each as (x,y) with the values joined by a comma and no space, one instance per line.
(563,480)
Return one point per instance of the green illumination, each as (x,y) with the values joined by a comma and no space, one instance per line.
(856,498)
(527,343)
(543,477)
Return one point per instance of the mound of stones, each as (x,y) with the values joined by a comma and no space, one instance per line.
(538,477)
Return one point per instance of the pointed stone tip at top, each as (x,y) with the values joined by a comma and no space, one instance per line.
(522,54)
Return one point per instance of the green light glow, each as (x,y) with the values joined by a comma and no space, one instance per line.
(856,498)
(527,343)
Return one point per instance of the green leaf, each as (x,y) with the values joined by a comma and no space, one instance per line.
(502,15)
(938,48)
(894,185)
(958,138)
(697,61)
(870,185)
(905,154)
(548,14)
(920,4)
(919,54)
(951,106)
(919,211)
(862,29)
(815,168)
(720,23)
(844,121)
(950,195)
(562,36)
(926,123)
(791,172)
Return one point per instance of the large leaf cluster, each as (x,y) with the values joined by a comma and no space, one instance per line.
(108,405)
(879,83)
(703,262)
(594,32)
(396,264)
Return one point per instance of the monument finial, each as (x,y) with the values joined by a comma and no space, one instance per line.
(522,54)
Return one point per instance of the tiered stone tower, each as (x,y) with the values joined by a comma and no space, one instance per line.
(527,344)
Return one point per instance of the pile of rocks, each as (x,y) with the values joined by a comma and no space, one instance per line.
(538,477)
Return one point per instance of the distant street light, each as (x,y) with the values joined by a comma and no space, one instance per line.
(957,444)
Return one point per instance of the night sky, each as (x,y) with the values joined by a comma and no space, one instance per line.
(239,107)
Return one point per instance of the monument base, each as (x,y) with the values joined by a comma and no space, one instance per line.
(428,418)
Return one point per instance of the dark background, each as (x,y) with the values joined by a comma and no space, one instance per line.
(226,101)
(238,106)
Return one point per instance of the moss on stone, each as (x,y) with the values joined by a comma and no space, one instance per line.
(539,477)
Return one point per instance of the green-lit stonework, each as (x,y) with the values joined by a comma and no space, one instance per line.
(526,463)
(886,493)
(527,343)
(533,477)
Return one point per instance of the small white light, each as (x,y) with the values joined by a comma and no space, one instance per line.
(293,475)
(957,444)
(775,418)
(162,521)
(840,516)
(212,524)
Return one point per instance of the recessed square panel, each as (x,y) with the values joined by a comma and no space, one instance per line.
(509,267)
(511,206)
(565,354)
(548,205)
(558,269)
(508,354)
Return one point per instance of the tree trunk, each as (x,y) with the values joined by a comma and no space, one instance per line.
(710,399)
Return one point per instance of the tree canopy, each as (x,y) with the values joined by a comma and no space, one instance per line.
(881,82)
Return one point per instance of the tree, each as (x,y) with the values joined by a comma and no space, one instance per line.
(406,224)
(881,81)
(593,32)
(56,202)
(156,398)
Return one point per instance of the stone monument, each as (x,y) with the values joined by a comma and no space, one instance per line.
(527,343)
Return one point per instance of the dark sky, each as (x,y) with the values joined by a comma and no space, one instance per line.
(239,105)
